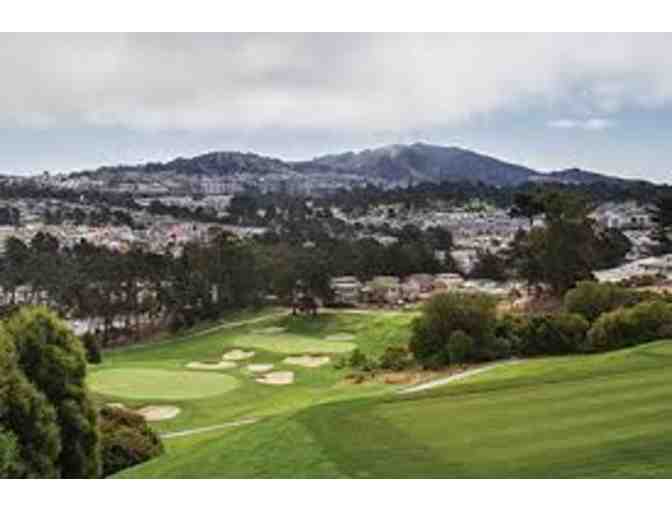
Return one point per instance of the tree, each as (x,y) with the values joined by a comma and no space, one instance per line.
(53,360)
(563,251)
(527,205)
(454,328)
(661,214)
(30,443)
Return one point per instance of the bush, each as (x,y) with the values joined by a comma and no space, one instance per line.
(591,299)
(625,327)
(395,358)
(360,361)
(9,454)
(561,333)
(126,440)
(53,360)
(471,314)
(92,347)
(31,443)
(460,346)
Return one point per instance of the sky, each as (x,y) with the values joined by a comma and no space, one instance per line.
(601,102)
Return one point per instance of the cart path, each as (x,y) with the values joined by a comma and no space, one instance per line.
(200,430)
(456,377)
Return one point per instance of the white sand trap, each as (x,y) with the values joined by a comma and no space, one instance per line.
(116,405)
(198,365)
(307,361)
(277,378)
(237,355)
(341,337)
(158,413)
(273,330)
(260,367)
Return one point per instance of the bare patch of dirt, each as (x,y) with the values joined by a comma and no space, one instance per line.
(260,367)
(237,355)
(198,365)
(307,361)
(158,413)
(277,378)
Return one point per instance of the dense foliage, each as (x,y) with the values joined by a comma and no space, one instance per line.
(126,440)
(592,299)
(644,322)
(54,362)
(548,334)
(31,443)
(454,328)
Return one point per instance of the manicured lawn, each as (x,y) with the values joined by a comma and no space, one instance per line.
(580,416)
(292,344)
(123,376)
(149,384)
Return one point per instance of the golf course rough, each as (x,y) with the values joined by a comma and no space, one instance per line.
(155,384)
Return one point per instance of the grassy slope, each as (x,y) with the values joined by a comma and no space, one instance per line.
(593,416)
(372,333)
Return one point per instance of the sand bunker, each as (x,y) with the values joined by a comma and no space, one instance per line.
(273,330)
(307,361)
(198,365)
(341,337)
(116,405)
(158,413)
(237,355)
(277,378)
(260,367)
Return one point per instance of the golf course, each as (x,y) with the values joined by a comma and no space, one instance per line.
(262,397)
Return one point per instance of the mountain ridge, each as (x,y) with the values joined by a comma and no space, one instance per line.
(400,164)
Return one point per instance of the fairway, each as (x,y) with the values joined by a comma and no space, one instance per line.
(606,415)
(293,344)
(146,384)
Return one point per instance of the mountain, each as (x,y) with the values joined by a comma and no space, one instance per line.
(389,165)
(422,162)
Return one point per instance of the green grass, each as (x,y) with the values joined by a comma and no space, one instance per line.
(604,415)
(292,344)
(149,384)
(248,399)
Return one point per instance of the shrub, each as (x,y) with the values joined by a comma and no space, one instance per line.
(360,361)
(445,314)
(591,299)
(395,358)
(645,322)
(53,360)
(126,440)
(9,454)
(31,443)
(92,347)
(561,333)
(460,346)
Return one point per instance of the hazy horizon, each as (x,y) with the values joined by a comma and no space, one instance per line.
(601,102)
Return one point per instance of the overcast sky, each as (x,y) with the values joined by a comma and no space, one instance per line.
(600,102)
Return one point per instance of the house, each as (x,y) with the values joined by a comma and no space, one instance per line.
(445,282)
(347,290)
(383,289)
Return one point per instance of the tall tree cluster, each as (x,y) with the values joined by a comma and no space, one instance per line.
(48,424)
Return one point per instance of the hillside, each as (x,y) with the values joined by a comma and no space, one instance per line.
(577,416)
(391,165)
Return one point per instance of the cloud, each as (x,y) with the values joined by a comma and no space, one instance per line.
(592,124)
(355,82)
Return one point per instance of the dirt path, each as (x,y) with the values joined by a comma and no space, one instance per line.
(200,430)
(463,375)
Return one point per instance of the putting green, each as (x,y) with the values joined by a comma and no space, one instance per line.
(292,344)
(148,384)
